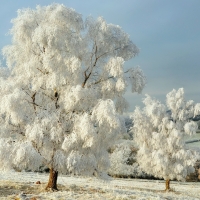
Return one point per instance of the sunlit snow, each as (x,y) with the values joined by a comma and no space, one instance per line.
(92,188)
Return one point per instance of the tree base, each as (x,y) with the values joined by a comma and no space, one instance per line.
(167,185)
(52,183)
(48,189)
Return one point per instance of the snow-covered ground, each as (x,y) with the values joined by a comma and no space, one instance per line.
(195,138)
(13,184)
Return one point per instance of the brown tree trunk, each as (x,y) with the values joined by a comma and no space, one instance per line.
(52,184)
(167,183)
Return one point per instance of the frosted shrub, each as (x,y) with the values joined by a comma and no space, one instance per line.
(123,154)
(159,130)
(63,89)
(123,160)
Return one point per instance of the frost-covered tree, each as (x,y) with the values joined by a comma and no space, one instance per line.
(159,131)
(64,89)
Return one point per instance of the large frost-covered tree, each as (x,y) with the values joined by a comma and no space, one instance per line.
(159,131)
(63,91)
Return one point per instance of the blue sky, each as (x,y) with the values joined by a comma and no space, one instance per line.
(167,32)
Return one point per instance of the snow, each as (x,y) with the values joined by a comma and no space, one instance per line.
(92,188)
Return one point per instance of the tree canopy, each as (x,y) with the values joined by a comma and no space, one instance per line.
(62,92)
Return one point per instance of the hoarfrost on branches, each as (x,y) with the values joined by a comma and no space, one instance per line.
(65,89)
(159,130)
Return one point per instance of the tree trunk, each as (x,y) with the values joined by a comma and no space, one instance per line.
(167,183)
(52,184)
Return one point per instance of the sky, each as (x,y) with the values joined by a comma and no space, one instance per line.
(167,32)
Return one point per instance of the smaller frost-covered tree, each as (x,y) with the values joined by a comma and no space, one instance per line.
(63,92)
(159,132)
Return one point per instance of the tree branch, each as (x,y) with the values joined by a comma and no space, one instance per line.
(48,96)
(88,76)
(40,70)
(35,104)
(109,52)
(33,98)
(56,97)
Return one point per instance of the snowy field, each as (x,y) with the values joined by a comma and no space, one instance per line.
(195,138)
(21,185)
